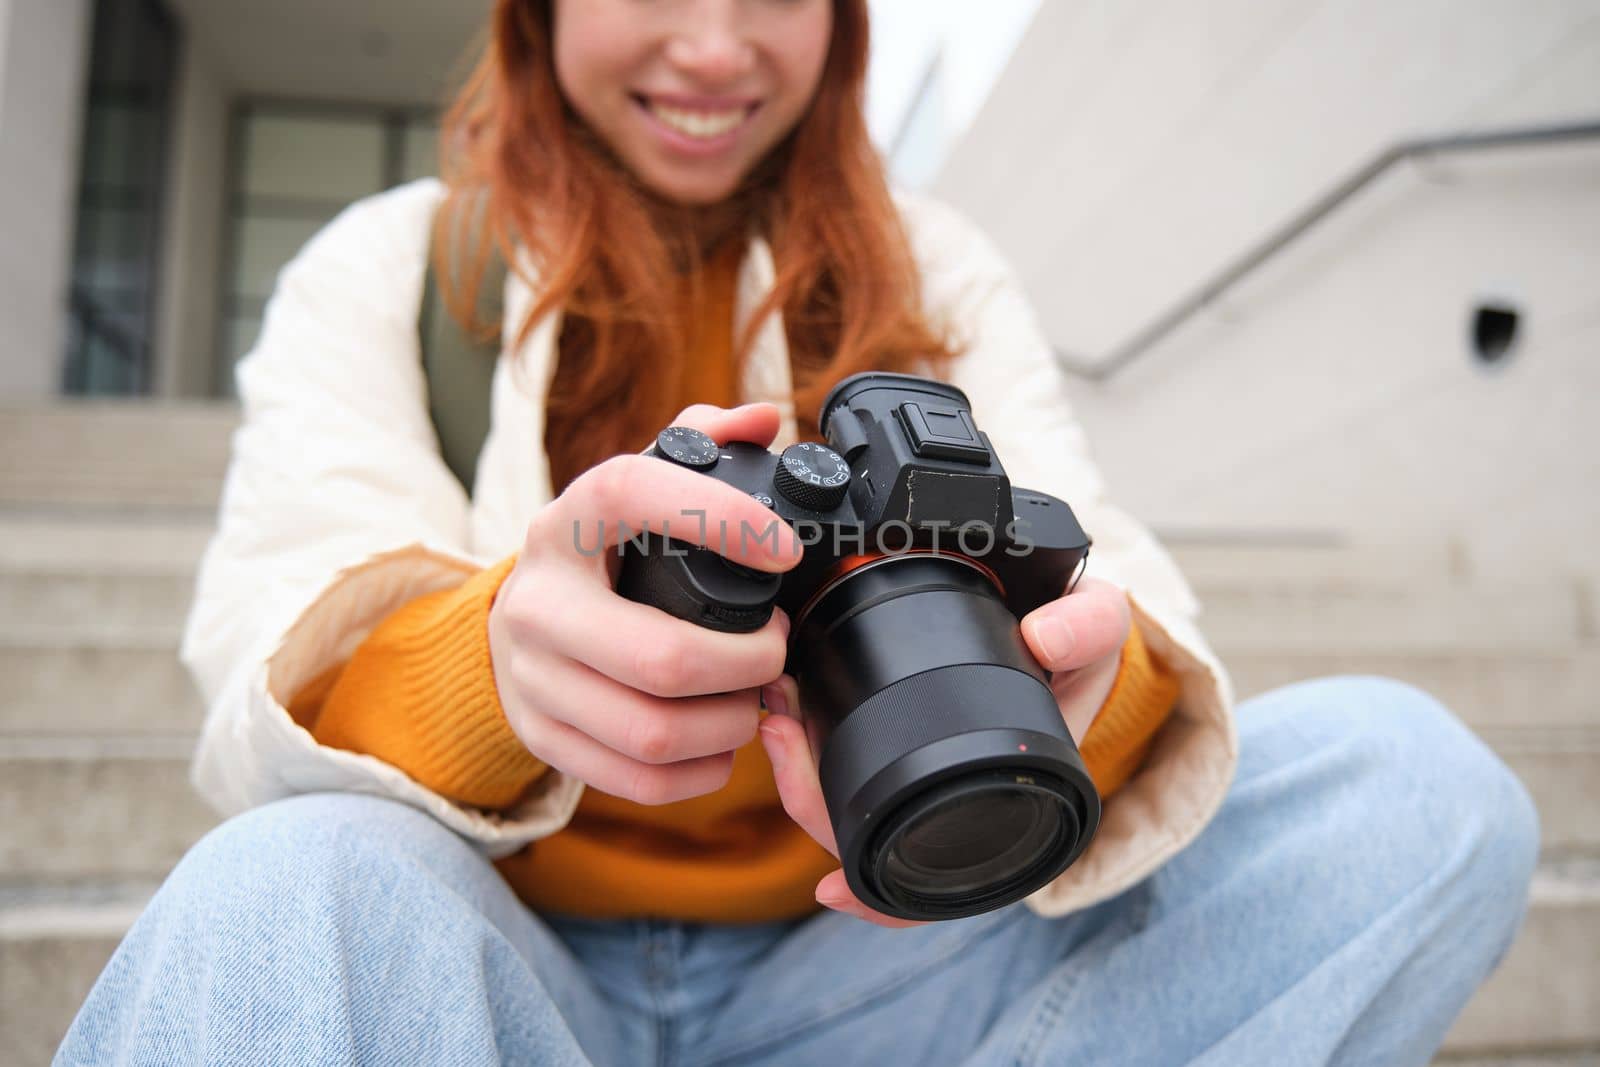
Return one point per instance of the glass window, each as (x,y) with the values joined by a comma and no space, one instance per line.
(299,158)
(297,166)
(116,246)
(264,245)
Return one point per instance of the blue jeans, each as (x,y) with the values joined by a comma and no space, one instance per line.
(1369,868)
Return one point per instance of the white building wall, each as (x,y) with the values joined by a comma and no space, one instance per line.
(1337,392)
(191,248)
(43,66)
(5,26)
(1135,148)
(971,47)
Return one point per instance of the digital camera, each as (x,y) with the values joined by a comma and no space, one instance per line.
(950,778)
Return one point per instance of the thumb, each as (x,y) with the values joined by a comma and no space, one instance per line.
(756,423)
(1079,628)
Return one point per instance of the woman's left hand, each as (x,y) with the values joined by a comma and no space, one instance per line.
(1078,636)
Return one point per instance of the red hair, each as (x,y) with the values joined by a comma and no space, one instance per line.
(610,256)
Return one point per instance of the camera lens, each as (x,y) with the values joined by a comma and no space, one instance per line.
(952,783)
(970,838)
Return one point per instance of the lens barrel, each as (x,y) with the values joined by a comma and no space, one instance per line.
(953,785)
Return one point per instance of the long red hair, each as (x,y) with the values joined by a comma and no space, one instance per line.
(518,158)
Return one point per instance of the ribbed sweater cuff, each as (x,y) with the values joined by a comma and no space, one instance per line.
(419,693)
(1140,700)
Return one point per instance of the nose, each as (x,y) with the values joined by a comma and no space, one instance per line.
(711,45)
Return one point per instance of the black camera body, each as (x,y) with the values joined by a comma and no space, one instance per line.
(950,778)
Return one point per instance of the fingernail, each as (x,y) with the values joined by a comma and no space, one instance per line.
(783,620)
(845,906)
(1055,637)
(773,744)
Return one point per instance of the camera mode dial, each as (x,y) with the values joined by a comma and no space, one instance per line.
(813,476)
(686,447)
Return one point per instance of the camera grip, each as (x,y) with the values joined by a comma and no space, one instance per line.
(696,584)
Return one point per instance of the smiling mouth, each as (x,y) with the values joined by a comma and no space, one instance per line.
(702,124)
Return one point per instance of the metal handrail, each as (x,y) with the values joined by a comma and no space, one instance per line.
(1147,337)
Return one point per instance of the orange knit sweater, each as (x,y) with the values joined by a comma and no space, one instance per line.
(420,693)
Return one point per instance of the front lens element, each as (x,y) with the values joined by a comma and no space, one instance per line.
(975,842)
(968,844)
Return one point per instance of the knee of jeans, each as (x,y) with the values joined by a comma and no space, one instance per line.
(1432,792)
(310,841)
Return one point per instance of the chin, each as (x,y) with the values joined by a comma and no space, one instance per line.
(707,199)
(698,194)
(692,190)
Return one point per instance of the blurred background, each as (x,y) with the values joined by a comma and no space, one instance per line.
(1325,275)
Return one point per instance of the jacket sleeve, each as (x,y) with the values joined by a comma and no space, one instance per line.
(336,510)
(1019,398)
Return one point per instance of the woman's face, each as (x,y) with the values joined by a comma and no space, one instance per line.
(691,94)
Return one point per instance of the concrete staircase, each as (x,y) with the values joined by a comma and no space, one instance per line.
(1519,659)
(104,510)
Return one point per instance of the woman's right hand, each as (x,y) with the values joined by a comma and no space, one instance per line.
(631,700)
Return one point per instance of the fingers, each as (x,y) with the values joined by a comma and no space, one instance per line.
(639,645)
(1081,694)
(621,695)
(835,892)
(642,727)
(756,423)
(614,501)
(1079,637)
(571,751)
(1079,628)
(795,770)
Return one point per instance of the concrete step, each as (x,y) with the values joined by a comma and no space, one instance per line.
(133,811)
(1277,616)
(66,603)
(1488,690)
(82,810)
(54,943)
(55,940)
(1414,618)
(116,543)
(65,573)
(1561,768)
(1415,598)
(1546,993)
(1252,562)
(1492,648)
(110,683)
(108,569)
(102,674)
(1569,1058)
(121,455)
(175,541)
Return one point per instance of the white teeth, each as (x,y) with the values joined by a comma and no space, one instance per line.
(704,124)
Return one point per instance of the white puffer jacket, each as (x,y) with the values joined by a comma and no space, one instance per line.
(337,509)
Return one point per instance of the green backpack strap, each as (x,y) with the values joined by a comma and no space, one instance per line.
(459,367)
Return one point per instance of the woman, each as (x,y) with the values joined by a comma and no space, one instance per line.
(405,683)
